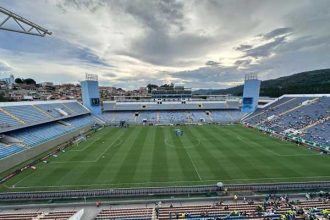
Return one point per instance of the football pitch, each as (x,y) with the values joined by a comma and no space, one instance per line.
(141,156)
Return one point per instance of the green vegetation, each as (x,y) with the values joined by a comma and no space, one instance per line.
(155,156)
(311,82)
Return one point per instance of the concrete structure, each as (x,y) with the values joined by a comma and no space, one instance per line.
(250,93)
(91,94)
(8,80)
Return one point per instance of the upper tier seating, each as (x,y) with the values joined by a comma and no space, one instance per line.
(276,108)
(24,114)
(7,121)
(308,115)
(319,133)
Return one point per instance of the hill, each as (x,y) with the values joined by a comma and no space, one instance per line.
(311,82)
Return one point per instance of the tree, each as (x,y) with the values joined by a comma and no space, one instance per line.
(168,86)
(18,81)
(151,87)
(3,98)
(30,81)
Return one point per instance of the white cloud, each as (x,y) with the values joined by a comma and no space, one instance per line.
(131,43)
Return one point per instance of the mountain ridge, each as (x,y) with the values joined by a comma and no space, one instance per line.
(308,82)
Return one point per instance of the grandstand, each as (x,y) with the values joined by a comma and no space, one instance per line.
(302,117)
(49,146)
(173,111)
(27,126)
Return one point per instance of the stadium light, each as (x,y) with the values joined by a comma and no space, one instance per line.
(24,26)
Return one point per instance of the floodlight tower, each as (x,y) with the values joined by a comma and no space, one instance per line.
(91,94)
(24,26)
(251,93)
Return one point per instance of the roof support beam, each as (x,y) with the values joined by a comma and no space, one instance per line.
(30,27)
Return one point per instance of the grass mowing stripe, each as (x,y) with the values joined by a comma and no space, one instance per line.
(93,151)
(127,170)
(188,168)
(218,154)
(75,173)
(90,173)
(52,177)
(227,148)
(159,167)
(264,160)
(209,159)
(143,167)
(106,162)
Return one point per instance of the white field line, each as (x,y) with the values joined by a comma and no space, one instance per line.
(172,182)
(275,153)
(194,165)
(61,162)
(23,178)
(92,161)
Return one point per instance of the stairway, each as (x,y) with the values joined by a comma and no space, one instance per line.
(158,117)
(43,112)
(70,110)
(210,117)
(315,123)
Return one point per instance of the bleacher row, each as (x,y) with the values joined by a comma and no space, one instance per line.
(24,126)
(273,207)
(173,117)
(32,136)
(309,115)
(58,215)
(248,210)
(168,105)
(133,213)
(22,115)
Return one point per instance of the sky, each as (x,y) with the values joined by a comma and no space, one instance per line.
(195,43)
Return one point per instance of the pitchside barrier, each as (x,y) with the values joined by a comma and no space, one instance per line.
(161,191)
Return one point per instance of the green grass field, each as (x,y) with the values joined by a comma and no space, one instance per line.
(155,156)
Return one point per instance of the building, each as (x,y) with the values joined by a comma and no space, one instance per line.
(176,92)
(10,80)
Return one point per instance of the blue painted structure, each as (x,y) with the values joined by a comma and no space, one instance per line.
(250,93)
(91,95)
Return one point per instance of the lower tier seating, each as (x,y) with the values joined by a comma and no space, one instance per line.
(172,117)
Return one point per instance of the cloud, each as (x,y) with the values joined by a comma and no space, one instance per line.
(220,76)
(110,75)
(197,43)
(245,62)
(277,32)
(212,63)
(265,50)
(4,67)
(243,47)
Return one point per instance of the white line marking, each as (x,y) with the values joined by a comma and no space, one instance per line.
(61,162)
(114,144)
(171,182)
(194,165)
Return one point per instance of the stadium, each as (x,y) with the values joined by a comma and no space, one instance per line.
(171,155)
